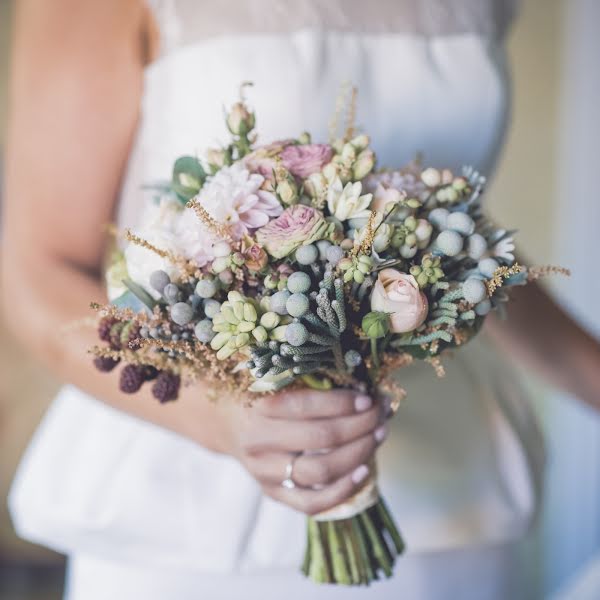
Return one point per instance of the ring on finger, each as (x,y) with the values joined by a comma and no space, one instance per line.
(288,482)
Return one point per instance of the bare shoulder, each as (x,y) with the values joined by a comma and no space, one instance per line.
(74,101)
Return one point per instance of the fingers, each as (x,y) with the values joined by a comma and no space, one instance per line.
(315,469)
(318,434)
(312,404)
(312,502)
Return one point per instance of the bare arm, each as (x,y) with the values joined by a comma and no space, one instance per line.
(75,93)
(542,335)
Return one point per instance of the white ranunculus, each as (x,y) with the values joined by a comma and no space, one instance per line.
(346,202)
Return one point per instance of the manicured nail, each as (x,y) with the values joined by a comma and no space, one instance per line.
(360,474)
(362,403)
(380,433)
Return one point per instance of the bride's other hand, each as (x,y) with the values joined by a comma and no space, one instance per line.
(330,436)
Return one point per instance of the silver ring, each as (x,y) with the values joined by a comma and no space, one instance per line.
(288,483)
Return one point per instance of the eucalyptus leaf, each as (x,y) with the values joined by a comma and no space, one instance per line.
(140,293)
(129,300)
(188,177)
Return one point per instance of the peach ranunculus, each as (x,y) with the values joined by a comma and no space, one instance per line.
(398,294)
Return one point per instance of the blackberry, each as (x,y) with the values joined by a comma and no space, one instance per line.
(149,372)
(114,337)
(131,379)
(166,387)
(104,327)
(106,363)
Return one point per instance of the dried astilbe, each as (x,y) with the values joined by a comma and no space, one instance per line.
(535,273)
(222,231)
(500,275)
(188,268)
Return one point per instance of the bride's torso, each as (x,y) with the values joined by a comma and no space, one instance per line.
(458,465)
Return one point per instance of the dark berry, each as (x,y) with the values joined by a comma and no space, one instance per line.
(115,335)
(166,387)
(149,372)
(131,379)
(104,328)
(106,363)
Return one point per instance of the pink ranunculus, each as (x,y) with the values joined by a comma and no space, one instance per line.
(398,294)
(302,160)
(296,226)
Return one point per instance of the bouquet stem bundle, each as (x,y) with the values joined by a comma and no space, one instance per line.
(353,551)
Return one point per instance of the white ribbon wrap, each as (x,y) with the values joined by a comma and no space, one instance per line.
(367,496)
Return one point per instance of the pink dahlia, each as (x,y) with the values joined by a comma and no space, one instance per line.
(234,197)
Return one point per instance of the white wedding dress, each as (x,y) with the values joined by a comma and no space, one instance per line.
(144,514)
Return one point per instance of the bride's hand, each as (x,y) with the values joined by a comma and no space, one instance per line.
(266,436)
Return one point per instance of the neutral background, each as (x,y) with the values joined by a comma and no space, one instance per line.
(529,190)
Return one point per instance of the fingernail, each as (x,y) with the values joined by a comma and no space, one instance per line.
(380,433)
(362,403)
(360,474)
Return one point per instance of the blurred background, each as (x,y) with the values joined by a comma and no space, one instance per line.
(547,184)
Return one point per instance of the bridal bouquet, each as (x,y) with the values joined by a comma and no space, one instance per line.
(299,264)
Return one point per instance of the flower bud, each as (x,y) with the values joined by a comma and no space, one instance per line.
(376,324)
(287,191)
(431,177)
(240,121)
(220,264)
(363,165)
(217,158)
(238,259)
(315,185)
(360,142)
(304,138)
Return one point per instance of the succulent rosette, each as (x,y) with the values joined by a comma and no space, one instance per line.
(300,263)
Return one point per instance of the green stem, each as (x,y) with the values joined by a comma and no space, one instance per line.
(351,553)
(380,552)
(374,353)
(390,526)
(361,542)
(318,568)
(336,552)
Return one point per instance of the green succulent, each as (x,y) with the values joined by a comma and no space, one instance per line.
(428,272)
(238,324)
(356,268)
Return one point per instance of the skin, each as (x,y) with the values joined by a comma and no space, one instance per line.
(74,107)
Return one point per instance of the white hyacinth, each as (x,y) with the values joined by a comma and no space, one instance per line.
(346,202)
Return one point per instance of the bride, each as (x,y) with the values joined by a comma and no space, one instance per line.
(177,501)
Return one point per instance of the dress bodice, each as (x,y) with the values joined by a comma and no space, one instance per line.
(430,75)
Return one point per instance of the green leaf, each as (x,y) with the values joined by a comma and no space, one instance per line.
(188,177)
(140,293)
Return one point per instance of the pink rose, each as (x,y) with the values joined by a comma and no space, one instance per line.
(398,294)
(256,258)
(302,160)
